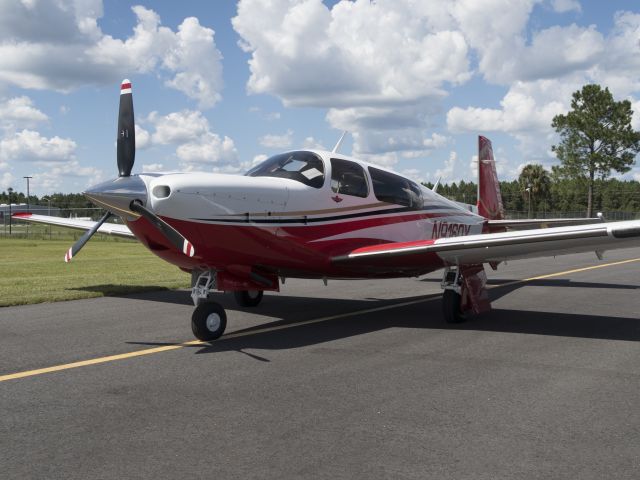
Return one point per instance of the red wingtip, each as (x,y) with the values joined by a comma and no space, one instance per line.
(22,215)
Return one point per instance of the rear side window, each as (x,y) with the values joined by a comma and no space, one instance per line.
(348,178)
(392,188)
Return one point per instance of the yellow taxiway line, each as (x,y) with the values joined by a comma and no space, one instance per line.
(166,348)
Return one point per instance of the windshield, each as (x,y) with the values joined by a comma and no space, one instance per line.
(304,167)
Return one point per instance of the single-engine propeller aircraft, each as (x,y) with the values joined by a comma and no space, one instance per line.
(319,214)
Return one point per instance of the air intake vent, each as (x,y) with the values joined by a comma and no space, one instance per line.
(161,191)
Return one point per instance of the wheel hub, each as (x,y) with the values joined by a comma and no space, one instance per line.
(213,322)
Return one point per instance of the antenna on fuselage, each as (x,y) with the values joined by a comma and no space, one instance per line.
(435,187)
(339,144)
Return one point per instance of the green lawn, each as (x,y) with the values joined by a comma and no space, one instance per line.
(33,271)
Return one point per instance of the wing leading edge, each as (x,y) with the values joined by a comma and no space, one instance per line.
(107,228)
(496,247)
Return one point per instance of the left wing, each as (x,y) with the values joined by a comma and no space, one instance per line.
(115,229)
(496,247)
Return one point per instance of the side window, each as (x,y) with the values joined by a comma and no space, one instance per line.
(348,178)
(392,188)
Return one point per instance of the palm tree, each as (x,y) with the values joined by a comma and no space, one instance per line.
(535,185)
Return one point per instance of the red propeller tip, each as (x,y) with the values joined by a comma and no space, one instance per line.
(125,87)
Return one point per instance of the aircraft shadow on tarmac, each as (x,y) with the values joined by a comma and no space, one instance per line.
(422,315)
(150,293)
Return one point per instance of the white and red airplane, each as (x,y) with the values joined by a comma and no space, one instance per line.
(319,214)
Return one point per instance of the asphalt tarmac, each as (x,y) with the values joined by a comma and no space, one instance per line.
(358,379)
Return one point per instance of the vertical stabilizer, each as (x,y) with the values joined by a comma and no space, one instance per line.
(489,198)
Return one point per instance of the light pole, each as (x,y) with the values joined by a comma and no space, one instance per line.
(28,207)
(528,190)
(28,178)
(10,190)
(48,199)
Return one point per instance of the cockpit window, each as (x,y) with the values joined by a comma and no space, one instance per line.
(305,167)
(392,188)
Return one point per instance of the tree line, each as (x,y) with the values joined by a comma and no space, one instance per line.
(563,196)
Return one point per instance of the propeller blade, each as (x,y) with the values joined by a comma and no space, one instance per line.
(73,251)
(170,233)
(126,131)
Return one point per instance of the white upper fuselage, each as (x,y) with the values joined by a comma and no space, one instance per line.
(267,201)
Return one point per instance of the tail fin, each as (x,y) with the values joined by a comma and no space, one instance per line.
(489,198)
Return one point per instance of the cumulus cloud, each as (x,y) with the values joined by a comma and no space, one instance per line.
(526,106)
(59,45)
(277,141)
(70,173)
(562,6)
(152,167)
(209,149)
(313,144)
(6,180)
(178,127)
(447,172)
(375,65)
(19,112)
(143,138)
(190,131)
(382,68)
(30,146)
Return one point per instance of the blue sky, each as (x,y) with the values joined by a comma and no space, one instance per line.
(221,85)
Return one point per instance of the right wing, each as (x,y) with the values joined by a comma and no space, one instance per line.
(114,229)
(497,247)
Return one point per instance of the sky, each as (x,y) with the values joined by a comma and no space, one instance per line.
(222,85)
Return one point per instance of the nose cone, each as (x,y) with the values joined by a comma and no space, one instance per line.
(116,195)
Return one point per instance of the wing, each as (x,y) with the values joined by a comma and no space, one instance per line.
(108,228)
(501,225)
(496,247)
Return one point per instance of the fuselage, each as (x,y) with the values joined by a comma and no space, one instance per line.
(292,214)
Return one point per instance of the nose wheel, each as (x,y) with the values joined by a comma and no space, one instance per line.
(208,322)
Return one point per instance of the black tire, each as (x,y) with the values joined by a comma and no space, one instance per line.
(451,302)
(208,322)
(248,298)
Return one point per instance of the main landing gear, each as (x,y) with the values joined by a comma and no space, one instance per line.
(209,319)
(465,292)
(452,295)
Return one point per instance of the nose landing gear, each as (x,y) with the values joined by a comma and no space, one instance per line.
(209,319)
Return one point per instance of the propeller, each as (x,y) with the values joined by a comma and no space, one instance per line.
(127,192)
(170,233)
(126,131)
(73,251)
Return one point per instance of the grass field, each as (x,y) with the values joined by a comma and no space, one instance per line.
(33,271)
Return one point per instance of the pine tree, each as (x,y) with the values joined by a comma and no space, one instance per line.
(596,138)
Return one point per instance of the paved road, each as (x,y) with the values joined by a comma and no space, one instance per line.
(546,386)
